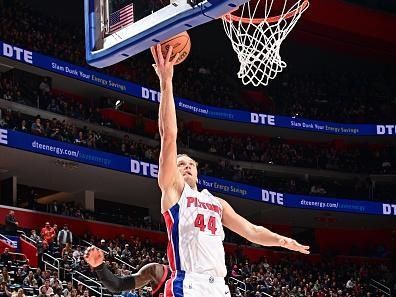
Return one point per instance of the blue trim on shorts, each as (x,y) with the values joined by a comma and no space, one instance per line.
(178,284)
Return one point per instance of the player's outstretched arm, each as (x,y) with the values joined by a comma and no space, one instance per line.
(257,234)
(149,273)
(169,177)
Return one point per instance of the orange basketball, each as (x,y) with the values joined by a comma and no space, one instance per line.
(181,44)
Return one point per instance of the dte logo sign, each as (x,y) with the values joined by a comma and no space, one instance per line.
(3,136)
(272,197)
(17,53)
(386,129)
(389,209)
(151,95)
(143,168)
(264,119)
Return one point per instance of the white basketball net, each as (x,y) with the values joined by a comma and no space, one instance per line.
(257,41)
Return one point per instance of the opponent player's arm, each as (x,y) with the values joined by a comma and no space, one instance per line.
(257,234)
(168,174)
(149,272)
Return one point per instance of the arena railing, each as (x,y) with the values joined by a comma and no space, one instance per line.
(240,285)
(23,235)
(51,261)
(381,287)
(4,238)
(19,255)
(88,282)
(132,268)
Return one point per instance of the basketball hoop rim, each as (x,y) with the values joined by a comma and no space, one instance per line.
(229,17)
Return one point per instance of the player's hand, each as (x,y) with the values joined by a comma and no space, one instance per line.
(293,245)
(163,65)
(93,256)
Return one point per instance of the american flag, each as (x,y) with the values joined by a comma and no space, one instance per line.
(121,18)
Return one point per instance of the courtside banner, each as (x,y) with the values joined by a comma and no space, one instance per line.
(58,149)
(89,76)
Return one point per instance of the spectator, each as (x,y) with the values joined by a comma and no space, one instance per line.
(350,284)
(68,290)
(3,123)
(67,251)
(74,293)
(6,257)
(4,276)
(11,223)
(42,247)
(80,139)
(23,127)
(65,236)
(114,250)
(317,190)
(44,86)
(54,278)
(103,245)
(48,233)
(58,291)
(124,270)
(19,293)
(55,227)
(4,290)
(34,236)
(80,289)
(32,197)
(43,291)
(234,271)
(37,128)
(18,277)
(86,293)
(29,280)
(7,96)
(78,254)
(47,274)
(65,267)
(57,287)
(53,107)
(48,290)
(25,270)
(54,207)
(38,275)
(126,253)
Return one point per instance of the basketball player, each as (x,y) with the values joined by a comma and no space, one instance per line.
(195,219)
(153,274)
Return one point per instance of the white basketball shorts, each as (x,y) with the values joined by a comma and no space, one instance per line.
(187,284)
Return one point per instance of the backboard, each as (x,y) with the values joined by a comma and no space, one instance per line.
(115,31)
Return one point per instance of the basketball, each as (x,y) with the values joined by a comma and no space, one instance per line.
(181,44)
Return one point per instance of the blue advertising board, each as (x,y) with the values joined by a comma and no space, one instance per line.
(112,83)
(50,147)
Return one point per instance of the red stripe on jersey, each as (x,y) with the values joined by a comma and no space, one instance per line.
(170,249)
(169,285)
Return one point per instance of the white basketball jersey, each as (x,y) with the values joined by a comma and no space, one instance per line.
(195,234)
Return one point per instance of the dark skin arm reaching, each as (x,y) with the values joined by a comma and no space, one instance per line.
(150,273)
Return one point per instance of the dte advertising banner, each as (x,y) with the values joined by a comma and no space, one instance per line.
(89,76)
(54,148)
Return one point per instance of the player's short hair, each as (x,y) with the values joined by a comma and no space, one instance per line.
(185,155)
